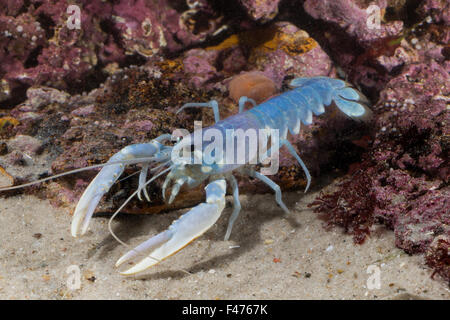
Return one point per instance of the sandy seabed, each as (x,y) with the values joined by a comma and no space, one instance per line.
(269,256)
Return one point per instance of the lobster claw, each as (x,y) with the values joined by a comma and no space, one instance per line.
(187,228)
(136,153)
(91,197)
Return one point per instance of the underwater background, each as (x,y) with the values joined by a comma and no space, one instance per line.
(79,80)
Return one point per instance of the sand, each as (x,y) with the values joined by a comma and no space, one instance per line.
(269,256)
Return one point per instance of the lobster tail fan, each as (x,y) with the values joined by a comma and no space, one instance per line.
(353,103)
(349,100)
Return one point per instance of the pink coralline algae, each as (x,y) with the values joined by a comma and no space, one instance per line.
(405,172)
(291,51)
(278,50)
(19,37)
(402,180)
(39,46)
(150,26)
(438,257)
(439,10)
(362,23)
(42,96)
(263,10)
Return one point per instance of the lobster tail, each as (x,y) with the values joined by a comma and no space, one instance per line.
(287,111)
(322,91)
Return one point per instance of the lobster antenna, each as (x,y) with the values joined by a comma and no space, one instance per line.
(128,176)
(130,161)
(126,202)
(154,169)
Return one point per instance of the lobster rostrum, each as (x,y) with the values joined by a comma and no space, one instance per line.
(283,113)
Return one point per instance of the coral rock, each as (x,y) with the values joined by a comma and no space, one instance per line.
(356,21)
(262,10)
(26,144)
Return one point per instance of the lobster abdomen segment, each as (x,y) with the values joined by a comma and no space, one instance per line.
(311,95)
(287,111)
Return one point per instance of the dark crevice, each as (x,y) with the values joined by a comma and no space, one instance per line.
(108,27)
(396,71)
(231,9)
(134,60)
(47,24)
(32,60)
(179,6)
(233,15)
(24,8)
(18,95)
(411,15)
(201,22)
(88,83)
(406,13)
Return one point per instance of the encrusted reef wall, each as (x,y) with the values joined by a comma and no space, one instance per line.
(72,97)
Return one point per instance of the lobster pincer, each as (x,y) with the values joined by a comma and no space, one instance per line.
(181,232)
(136,153)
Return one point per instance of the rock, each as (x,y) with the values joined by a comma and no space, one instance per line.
(84,111)
(261,10)
(199,65)
(149,27)
(355,19)
(403,179)
(26,144)
(16,158)
(417,228)
(39,47)
(286,50)
(76,95)
(437,10)
(42,96)
(277,50)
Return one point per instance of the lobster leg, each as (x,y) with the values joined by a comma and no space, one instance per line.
(291,149)
(243,100)
(142,179)
(211,104)
(187,228)
(284,142)
(109,175)
(236,207)
(272,185)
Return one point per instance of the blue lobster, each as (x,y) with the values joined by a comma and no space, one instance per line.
(283,113)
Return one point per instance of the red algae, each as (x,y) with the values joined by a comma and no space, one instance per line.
(438,258)
(351,207)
